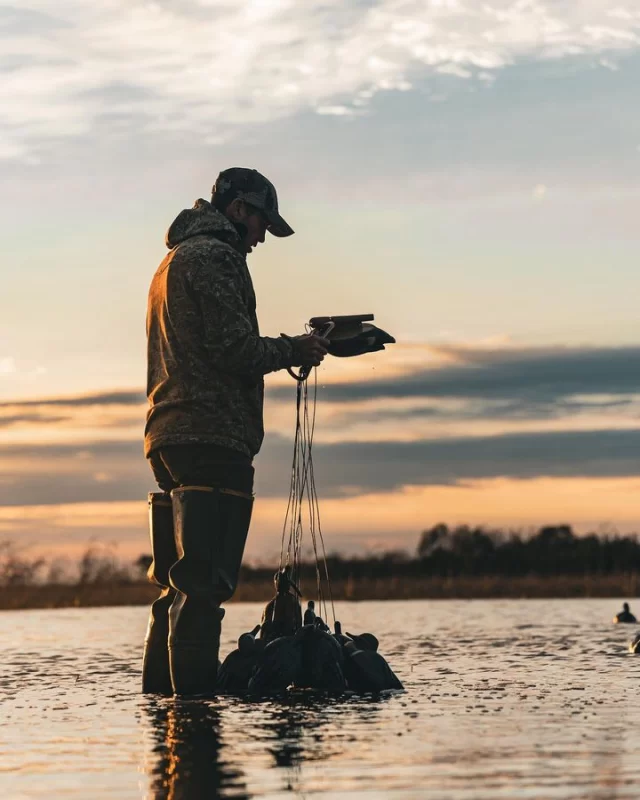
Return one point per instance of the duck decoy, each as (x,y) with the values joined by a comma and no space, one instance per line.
(351,335)
(364,668)
(338,635)
(310,613)
(237,668)
(322,660)
(278,665)
(282,615)
(625,615)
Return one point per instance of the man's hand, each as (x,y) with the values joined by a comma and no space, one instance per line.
(308,350)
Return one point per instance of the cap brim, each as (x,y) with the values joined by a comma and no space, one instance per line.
(277,225)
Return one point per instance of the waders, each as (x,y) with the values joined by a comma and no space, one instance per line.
(211,527)
(156,677)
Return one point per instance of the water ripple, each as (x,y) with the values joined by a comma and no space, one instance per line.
(504,699)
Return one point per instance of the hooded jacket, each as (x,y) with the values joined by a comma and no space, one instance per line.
(205,356)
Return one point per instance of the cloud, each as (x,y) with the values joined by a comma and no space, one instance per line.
(34,419)
(209,66)
(530,375)
(445,390)
(119,398)
(116,471)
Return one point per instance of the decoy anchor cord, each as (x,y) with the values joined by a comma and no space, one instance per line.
(303,507)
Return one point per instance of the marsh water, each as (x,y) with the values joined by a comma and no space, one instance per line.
(504,699)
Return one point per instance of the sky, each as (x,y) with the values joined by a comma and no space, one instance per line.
(467,171)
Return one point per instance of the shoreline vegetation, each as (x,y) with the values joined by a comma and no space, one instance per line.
(624,585)
(449,563)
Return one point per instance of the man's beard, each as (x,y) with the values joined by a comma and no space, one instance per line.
(242,232)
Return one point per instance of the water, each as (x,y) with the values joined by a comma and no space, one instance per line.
(505,699)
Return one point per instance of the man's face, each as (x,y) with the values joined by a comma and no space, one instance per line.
(257,226)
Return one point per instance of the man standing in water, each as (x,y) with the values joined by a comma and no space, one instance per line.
(206,362)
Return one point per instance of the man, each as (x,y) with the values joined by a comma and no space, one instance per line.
(206,362)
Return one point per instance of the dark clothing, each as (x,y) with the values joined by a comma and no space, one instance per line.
(206,358)
(625,616)
(202,465)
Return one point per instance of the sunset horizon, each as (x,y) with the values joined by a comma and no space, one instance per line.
(469,176)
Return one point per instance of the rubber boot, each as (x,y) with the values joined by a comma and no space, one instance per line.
(156,675)
(211,528)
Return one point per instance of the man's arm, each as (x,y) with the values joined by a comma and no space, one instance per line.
(229,333)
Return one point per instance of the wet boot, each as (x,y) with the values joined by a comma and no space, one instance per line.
(156,676)
(211,530)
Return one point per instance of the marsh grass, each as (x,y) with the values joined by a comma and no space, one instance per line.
(461,563)
(140,592)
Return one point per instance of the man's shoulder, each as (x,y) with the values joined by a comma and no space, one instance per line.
(206,250)
(202,260)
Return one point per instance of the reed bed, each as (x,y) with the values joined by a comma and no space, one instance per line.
(354,589)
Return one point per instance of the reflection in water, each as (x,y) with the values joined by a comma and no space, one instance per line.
(299,729)
(286,745)
(504,699)
(198,747)
(189,754)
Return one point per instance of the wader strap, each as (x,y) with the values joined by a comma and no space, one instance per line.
(214,489)
(160,498)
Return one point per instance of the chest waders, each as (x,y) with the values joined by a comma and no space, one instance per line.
(211,527)
(156,676)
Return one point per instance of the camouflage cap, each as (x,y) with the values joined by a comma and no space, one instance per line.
(252,187)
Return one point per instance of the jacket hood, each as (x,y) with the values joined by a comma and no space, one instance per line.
(201,220)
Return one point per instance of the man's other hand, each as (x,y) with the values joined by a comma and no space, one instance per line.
(309,349)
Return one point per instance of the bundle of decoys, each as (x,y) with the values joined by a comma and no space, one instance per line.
(283,653)
(289,650)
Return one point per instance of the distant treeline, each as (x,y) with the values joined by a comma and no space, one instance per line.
(442,552)
(456,562)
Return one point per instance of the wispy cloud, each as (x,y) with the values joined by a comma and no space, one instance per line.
(118,397)
(208,66)
(116,471)
(531,374)
(446,391)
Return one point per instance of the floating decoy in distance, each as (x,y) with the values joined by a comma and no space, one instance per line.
(625,615)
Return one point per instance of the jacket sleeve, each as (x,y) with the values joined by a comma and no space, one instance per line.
(230,333)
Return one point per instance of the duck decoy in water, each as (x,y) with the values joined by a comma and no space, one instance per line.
(364,668)
(364,641)
(238,666)
(320,623)
(310,613)
(625,615)
(634,646)
(338,635)
(322,660)
(282,615)
(278,665)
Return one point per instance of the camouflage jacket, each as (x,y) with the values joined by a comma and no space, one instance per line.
(205,356)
